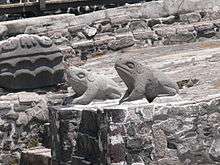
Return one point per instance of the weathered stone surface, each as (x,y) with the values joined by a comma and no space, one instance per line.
(3,31)
(29,97)
(29,61)
(36,156)
(133,18)
(138,25)
(188,132)
(205,29)
(39,112)
(165,31)
(78,141)
(89,32)
(122,41)
(120,20)
(214,150)
(59,38)
(145,34)
(178,6)
(180,37)
(31,30)
(76,28)
(190,17)
(23,124)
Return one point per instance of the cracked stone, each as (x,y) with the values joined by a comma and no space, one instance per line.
(89,32)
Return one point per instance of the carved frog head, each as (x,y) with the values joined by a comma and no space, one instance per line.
(128,69)
(78,78)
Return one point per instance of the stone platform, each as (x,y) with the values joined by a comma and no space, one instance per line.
(175,132)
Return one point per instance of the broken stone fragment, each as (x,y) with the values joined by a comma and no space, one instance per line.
(187,83)
(145,34)
(122,41)
(2,122)
(11,115)
(3,31)
(120,20)
(168,20)
(190,17)
(89,32)
(31,30)
(138,25)
(23,119)
(214,150)
(27,98)
(38,112)
(36,156)
(169,99)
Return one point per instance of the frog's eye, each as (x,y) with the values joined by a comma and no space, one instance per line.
(81,75)
(130,65)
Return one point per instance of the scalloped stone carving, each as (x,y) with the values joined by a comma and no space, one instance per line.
(29,61)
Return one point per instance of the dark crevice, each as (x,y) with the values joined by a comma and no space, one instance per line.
(171,145)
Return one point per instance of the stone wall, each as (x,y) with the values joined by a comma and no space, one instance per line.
(146,24)
(24,123)
(139,133)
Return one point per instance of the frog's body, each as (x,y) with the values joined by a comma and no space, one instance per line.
(143,81)
(89,86)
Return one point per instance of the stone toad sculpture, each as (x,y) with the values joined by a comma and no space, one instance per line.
(143,81)
(89,86)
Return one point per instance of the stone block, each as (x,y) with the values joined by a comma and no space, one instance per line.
(74,136)
(36,156)
(120,19)
(180,37)
(145,34)
(29,97)
(73,29)
(3,31)
(190,17)
(137,133)
(83,44)
(103,39)
(138,24)
(122,41)
(165,31)
(89,32)
(205,29)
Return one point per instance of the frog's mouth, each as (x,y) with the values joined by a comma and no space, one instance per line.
(125,75)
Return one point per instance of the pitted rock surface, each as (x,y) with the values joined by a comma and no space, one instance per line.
(89,86)
(138,133)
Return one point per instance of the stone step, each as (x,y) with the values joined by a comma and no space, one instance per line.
(36,156)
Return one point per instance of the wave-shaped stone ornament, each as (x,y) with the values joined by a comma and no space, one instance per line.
(29,61)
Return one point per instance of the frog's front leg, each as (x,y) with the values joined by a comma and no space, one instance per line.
(87,97)
(135,94)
